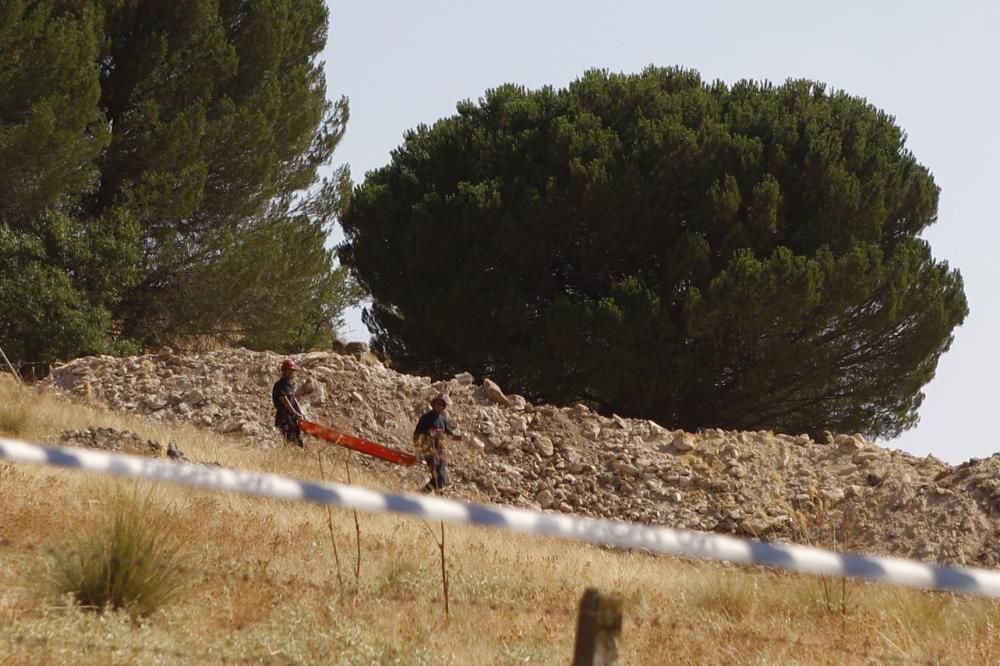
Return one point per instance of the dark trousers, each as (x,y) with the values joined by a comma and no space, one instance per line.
(439,471)
(289,426)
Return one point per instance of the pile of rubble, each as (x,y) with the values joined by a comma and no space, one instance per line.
(121,441)
(846,492)
(110,439)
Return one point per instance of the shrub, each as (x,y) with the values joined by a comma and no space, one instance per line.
(128,557)
(15,411)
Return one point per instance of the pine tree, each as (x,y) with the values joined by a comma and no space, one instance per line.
(144,149)
(742,256)
(58,274)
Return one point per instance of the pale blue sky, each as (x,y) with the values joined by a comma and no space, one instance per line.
(934,66)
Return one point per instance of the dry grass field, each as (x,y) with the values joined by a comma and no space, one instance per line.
(257,581)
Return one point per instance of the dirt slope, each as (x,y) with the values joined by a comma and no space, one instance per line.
(847,493)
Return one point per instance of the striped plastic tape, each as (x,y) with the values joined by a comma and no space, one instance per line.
(685,543)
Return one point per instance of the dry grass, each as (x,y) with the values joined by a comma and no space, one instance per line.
(261,585)
(16,412)
(124,558)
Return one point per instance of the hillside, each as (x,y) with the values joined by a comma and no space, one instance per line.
(276,582)
(846,493)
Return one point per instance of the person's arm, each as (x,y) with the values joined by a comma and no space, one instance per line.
(448,429)
(288,405)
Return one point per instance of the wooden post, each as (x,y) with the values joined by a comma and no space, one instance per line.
(598,627)
(7,361)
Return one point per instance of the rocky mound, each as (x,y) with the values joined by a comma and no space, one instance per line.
(110,439)
(845,493)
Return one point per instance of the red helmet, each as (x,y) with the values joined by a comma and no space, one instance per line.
(442,398)
(288,364)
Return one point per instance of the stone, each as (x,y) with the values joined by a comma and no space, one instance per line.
(863,457)
(356,349)
(194,397)
(229,425)
(517,402)
(682,444)
(465,379)
(833,495)
(737,471)
(545,498)
(494,394)
(155,402)
(849,443)
(544,446)
(174,452)
(518,424)
(625,469)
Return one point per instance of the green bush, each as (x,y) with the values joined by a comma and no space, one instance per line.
(127,558)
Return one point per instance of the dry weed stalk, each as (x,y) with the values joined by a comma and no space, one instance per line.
(329,525)
(357,525)
(444,569)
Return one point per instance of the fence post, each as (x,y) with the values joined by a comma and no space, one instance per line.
(12,370)
(598,627)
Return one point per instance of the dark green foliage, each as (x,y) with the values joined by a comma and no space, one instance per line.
(161,142)
(274,288)
(219,118)
(703,255)
(51,129)
(56,280)
(57,274)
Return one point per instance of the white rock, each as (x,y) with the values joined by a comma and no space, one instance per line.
(848,443)
(862,457)
(517,402)
(682,444)
(545,498)
(465,379)
(494,394)
(544,447)
(833,495)
(155,402)
(517,424)
(194,397)
(229,425)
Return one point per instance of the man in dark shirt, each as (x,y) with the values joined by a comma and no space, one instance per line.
(287,410)
(427,440)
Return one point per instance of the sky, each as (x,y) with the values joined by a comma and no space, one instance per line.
(933,66)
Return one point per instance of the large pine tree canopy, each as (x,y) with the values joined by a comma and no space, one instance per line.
(704,255)
(159,175)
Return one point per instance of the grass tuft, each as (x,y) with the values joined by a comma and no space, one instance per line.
(731,595)
(127,558)
(16,414)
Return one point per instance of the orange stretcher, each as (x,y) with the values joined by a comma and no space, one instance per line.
(356,443)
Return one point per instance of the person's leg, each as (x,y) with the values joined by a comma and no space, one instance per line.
(442,473)
(296,434)
(429,486)
(439,472)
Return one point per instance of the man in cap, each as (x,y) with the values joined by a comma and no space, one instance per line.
(427,440)
(288,412)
